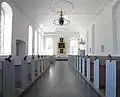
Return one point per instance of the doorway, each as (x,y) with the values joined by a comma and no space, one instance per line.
(20,48)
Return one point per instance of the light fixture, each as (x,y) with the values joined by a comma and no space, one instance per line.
(82,42)
(59,5)
(61,21)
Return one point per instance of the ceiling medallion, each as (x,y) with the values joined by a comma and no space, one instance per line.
(64,5)
(61,21)
(61,29)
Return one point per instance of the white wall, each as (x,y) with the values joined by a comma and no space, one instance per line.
(116,27)
(20,27)
(103,33)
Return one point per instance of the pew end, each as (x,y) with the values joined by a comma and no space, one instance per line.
(91,71)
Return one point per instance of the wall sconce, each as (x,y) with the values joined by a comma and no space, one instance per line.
(82,42)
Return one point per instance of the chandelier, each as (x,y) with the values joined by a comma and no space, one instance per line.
(82,42)
(61,21)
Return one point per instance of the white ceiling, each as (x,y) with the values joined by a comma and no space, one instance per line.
(80,17)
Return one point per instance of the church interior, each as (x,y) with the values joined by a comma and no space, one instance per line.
(59,48)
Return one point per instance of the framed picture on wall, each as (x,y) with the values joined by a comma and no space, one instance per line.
(61,50)
(102,48)
(61,45)
(61,39)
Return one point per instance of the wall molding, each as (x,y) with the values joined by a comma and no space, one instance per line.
(101,10)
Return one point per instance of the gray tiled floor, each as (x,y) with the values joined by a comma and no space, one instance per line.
(61,81)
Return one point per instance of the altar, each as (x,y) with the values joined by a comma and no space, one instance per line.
(61,58)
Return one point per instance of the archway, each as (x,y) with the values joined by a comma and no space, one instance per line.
(73,46)
(20,48)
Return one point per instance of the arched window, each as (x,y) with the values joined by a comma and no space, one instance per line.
(49,46)
(35,42)
(42,45)
(39,43)
(93,38)
(6,29)
(30,38)
(73,46)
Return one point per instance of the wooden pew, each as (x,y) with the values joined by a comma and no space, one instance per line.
(91,69)
(88,68)
(21,74)
(113,77)
(7,81)
(80,64)
(100,73)
(103,72)
(31,68)
(84,66)
(76,65)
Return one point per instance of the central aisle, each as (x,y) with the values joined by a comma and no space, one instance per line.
(61,81)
